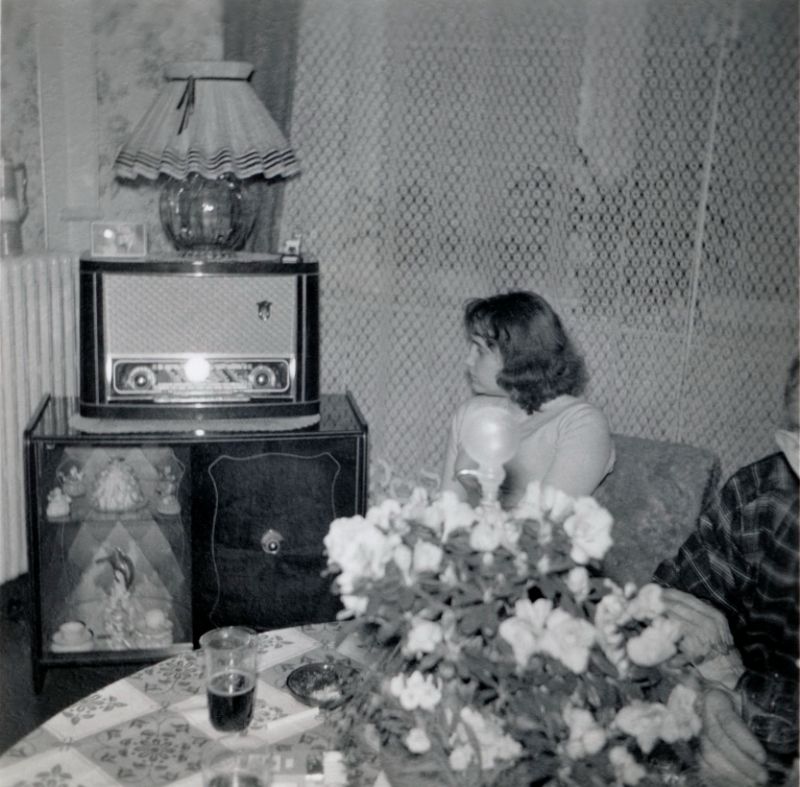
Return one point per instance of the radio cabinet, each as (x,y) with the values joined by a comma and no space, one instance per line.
(181,337)
(226,528)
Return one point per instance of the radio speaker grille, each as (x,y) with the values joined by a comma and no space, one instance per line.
(217,315)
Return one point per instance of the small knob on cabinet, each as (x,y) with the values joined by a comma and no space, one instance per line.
(271,542)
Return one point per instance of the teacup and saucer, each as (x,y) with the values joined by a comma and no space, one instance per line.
(73,635)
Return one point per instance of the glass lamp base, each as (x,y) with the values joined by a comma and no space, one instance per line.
(200,214)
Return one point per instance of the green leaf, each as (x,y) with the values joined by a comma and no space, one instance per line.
(429,661)
(472,619)
(387,631)
(405,598)
(468,594)
(601,661)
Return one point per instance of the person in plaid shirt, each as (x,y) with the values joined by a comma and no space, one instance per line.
(734,587)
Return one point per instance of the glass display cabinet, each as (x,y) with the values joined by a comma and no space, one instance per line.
(140,542)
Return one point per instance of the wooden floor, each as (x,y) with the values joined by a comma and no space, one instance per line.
(21,710)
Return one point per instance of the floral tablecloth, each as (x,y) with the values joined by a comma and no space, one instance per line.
(150,728)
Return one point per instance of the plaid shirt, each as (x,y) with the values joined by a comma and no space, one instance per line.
(743,560)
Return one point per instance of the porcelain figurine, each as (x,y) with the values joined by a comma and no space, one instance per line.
(119,611)
(72,483)
(168,501)
(58,504)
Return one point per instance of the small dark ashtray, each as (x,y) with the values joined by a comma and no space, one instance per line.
(324,684)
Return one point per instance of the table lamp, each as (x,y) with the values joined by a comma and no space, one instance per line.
(211,137)
(490,436)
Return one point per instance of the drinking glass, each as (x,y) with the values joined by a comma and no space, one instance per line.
(237,761)
(231,663)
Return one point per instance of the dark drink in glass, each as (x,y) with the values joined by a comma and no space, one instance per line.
(231,658)
(231,697)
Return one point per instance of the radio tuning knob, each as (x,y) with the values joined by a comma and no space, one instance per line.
(141,378)
(262,377)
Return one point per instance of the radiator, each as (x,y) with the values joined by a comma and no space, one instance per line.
(38,355)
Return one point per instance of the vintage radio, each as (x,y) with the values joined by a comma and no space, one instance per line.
(181,337)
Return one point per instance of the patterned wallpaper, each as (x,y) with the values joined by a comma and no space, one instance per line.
(133,40)
(19,118)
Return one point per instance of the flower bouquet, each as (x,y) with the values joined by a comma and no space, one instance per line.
(505,656)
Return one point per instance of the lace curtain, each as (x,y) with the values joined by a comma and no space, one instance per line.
(635,161)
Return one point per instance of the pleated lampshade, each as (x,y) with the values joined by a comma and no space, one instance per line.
(207,131)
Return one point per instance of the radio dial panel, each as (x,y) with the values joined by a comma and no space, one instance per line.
(168,378)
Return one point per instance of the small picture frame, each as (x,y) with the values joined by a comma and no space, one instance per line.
(292,246)
(118,239)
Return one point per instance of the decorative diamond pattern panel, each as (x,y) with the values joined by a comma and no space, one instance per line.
(635,161)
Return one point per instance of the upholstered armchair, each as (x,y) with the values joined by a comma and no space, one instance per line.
(655,494)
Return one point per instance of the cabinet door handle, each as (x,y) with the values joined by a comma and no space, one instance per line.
(271,542)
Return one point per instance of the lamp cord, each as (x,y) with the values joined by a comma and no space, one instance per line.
(187,102)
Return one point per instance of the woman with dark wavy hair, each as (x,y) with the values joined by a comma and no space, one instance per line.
(521,357)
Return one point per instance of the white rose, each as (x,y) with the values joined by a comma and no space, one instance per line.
(448,577)
(607,617)
(643,721)
(523,630)
(357,549)
(417,508)
(530,504)
(541,505)
(494,744)
(402,559)
(589,528)
(461,757)
(586,736)
(427,557)
(610,612)
(524,642)
(353,606)
(682,721)
(383,514)
(415,691)
(423,637)
(657,643)
(568,639)
(445,514)
(484,537)
(360,550)
(544,533)
(535,613)
(626,769)
(557,503)
(340,536)
(510,532)
(578,583)
(647,604)
(456,514)
(417,741)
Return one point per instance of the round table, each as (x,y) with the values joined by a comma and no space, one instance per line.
(150,728)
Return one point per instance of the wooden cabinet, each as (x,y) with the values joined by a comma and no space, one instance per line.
(223,527)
